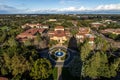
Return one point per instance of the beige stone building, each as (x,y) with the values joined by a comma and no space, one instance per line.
(30,25)
(59,34)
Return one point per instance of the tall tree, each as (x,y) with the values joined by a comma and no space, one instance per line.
(91,66)
(41,69)
(114,67)
(101,44)
(15,65)
(3,35)
(19,65)
(12,42)
(98,66)
(28,42)
(85,51)
(5,68)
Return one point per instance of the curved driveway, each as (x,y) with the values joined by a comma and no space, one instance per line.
(45,53)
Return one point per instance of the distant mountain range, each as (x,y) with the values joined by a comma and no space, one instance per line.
(63,12)
(96,12)
(4,9)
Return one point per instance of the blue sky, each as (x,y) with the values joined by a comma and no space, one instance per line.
(33,6)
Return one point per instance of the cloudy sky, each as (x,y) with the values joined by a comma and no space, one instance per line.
(57,6)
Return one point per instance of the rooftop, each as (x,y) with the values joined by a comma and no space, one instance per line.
(59,27)
(29,33)
(84,30)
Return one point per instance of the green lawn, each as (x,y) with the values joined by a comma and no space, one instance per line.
(55,73)
(4,28)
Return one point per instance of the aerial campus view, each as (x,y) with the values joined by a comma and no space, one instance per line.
(59,39)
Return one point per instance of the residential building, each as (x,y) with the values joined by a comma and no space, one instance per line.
(113,31)
(97,24)
(3,78)
(29,34)
(84,33)
(109,21)
(52,20)
(35,26)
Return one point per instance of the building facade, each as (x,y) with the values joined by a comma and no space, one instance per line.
(29,34)
(35,26)
(84,33)
(59,34)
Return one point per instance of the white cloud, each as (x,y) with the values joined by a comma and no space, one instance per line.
(82,8)
(67,9)
(100,7)
(10,9)
(108,7)
(71,9)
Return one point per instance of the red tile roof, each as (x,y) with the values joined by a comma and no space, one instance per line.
(31,31)
(91,39)
(59,33)
(40,30)
(29,34)
(3,78)
(83,31)
(59,27)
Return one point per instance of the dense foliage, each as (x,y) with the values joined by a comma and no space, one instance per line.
(23,62)
(95,63)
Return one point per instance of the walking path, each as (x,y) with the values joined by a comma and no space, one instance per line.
(72,53)
(59,76)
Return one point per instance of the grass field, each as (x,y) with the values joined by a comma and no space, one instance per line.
(55,73)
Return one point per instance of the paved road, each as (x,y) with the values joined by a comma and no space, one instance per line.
(72,53)
(59,76)
(111,41)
